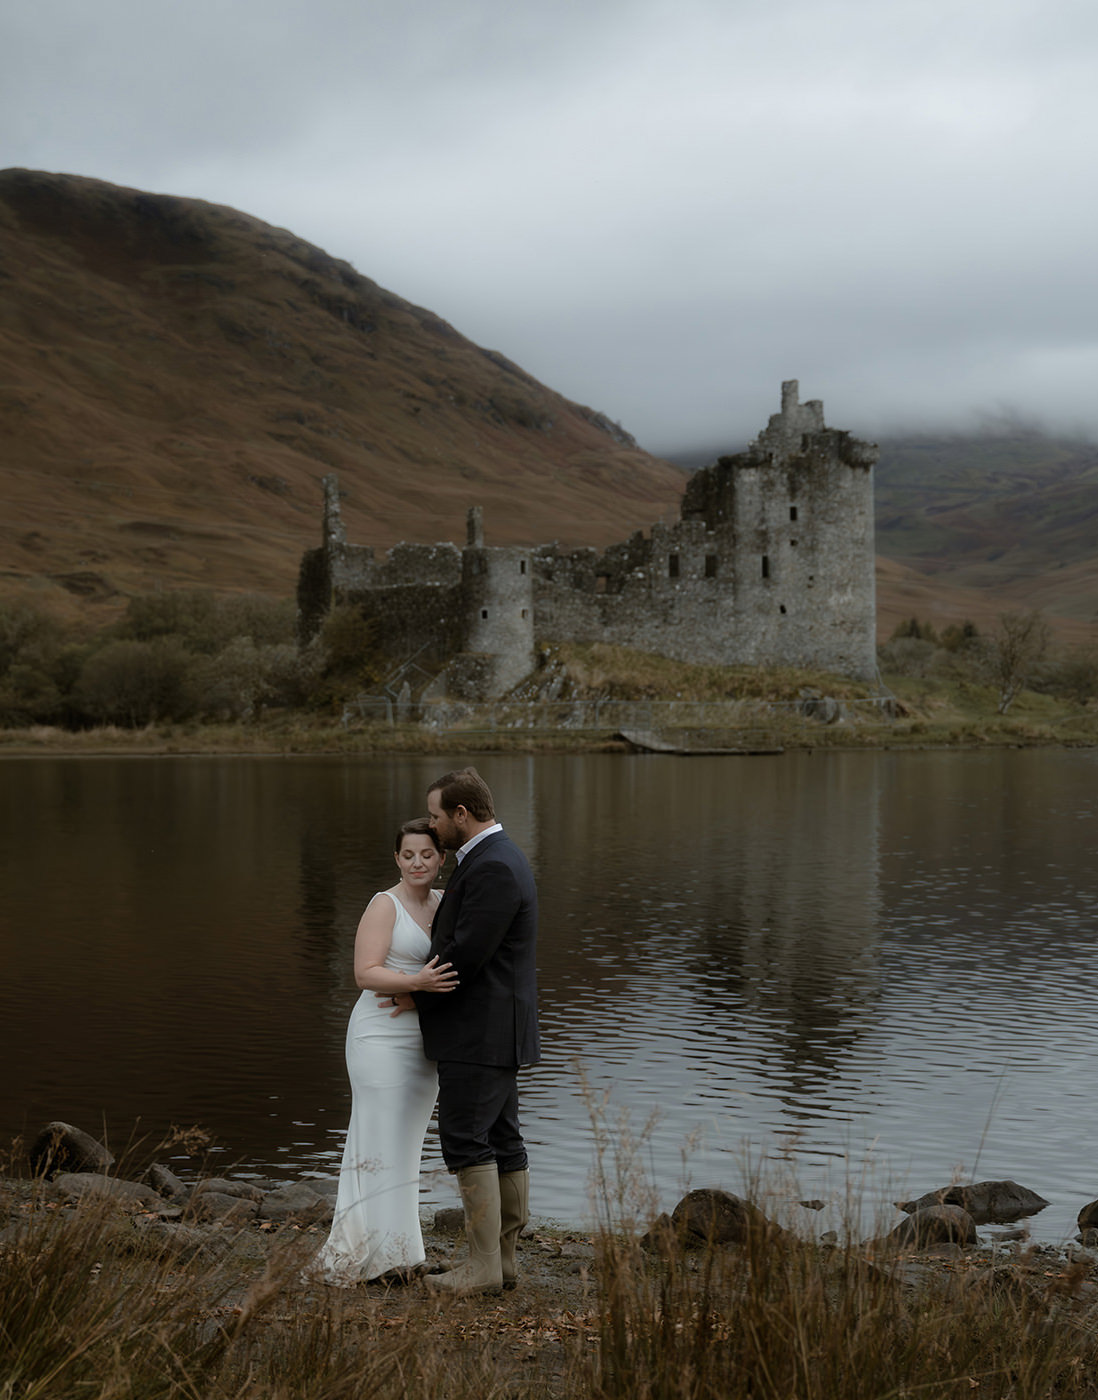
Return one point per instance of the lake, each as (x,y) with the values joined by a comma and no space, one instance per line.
(839,973)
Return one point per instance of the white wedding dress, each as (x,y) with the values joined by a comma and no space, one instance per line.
(393,1091)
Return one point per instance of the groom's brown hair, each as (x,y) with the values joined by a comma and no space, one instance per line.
(465,788)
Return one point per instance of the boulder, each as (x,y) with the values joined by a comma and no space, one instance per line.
(327,1186)
(163,1180)
(162,1238)
(224,1186)
(935,1225)
(713,1216)
(78,1186)
(824,708)
(217,1205)
(60,1147)
(449,1221)
(985,1201)
(296,1202)
(1087,1219)
(661,1237)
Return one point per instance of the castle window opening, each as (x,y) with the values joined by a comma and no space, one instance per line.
(793,544)
(792,512)
(781,609)
(522,566)
(484,612)
(525,613)
(601,581)
(672,566)
(711,562)
(766,566)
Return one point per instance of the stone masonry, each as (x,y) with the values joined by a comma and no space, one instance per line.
(771,563)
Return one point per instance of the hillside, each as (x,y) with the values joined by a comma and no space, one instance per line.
(176,377)
(1011,516)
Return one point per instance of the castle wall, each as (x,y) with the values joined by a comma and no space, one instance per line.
(422,622)
(669,591)
(772,563)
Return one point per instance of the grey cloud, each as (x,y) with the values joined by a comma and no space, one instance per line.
(660,209)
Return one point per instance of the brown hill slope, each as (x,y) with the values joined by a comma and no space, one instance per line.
(176,377)
(1009,516)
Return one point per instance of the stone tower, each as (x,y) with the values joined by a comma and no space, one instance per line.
(497,590)
(793,515)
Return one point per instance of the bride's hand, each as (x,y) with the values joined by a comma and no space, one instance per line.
(435,977)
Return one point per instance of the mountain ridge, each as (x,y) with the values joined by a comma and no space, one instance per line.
(176,377)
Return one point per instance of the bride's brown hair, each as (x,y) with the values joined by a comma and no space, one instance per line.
(418,826)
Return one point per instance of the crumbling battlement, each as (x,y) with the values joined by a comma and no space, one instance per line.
(771,563)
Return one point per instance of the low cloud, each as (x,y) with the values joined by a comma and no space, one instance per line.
(659,210)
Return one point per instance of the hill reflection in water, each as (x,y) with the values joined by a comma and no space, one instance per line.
(843,964)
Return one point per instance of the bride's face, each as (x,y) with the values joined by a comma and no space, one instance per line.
(418,860)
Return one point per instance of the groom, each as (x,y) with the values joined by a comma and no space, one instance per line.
(484,1031)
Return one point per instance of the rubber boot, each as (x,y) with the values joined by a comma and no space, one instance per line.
(482,1271)
(514,1212)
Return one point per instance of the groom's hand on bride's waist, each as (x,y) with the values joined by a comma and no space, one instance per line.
(397,1002)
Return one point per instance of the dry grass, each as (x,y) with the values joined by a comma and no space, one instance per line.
(91,1309)
(779,1319)
(620,673)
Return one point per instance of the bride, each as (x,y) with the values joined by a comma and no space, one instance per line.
(393,1085)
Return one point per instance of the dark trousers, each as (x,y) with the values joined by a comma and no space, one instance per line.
(478,1116)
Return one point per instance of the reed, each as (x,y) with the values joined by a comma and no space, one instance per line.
(777,1318)
(681,1316)
(93,1306)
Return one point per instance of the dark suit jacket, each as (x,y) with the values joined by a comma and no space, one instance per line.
(486,926)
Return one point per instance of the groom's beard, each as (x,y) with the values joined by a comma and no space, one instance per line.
(449,835)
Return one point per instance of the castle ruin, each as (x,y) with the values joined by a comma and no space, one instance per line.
(771,563)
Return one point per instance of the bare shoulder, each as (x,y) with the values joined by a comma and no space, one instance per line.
(381,911)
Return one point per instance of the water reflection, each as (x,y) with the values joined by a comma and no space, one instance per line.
(822,958)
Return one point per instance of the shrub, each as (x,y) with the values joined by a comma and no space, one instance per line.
(28,695)
(135,683)
(343,658)
(32,674)
(243,678)
(906,655)
(207,622)
(1075,675)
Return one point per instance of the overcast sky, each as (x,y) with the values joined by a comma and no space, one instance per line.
(661,208)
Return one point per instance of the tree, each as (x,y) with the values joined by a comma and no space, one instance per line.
(348,644)
(135,683)
(957,637)
(1077,674)
(1018,646)
(207,622)
(243,677)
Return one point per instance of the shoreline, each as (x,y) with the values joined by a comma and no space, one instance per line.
(324,742)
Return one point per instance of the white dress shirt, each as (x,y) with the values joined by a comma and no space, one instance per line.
(463,851)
